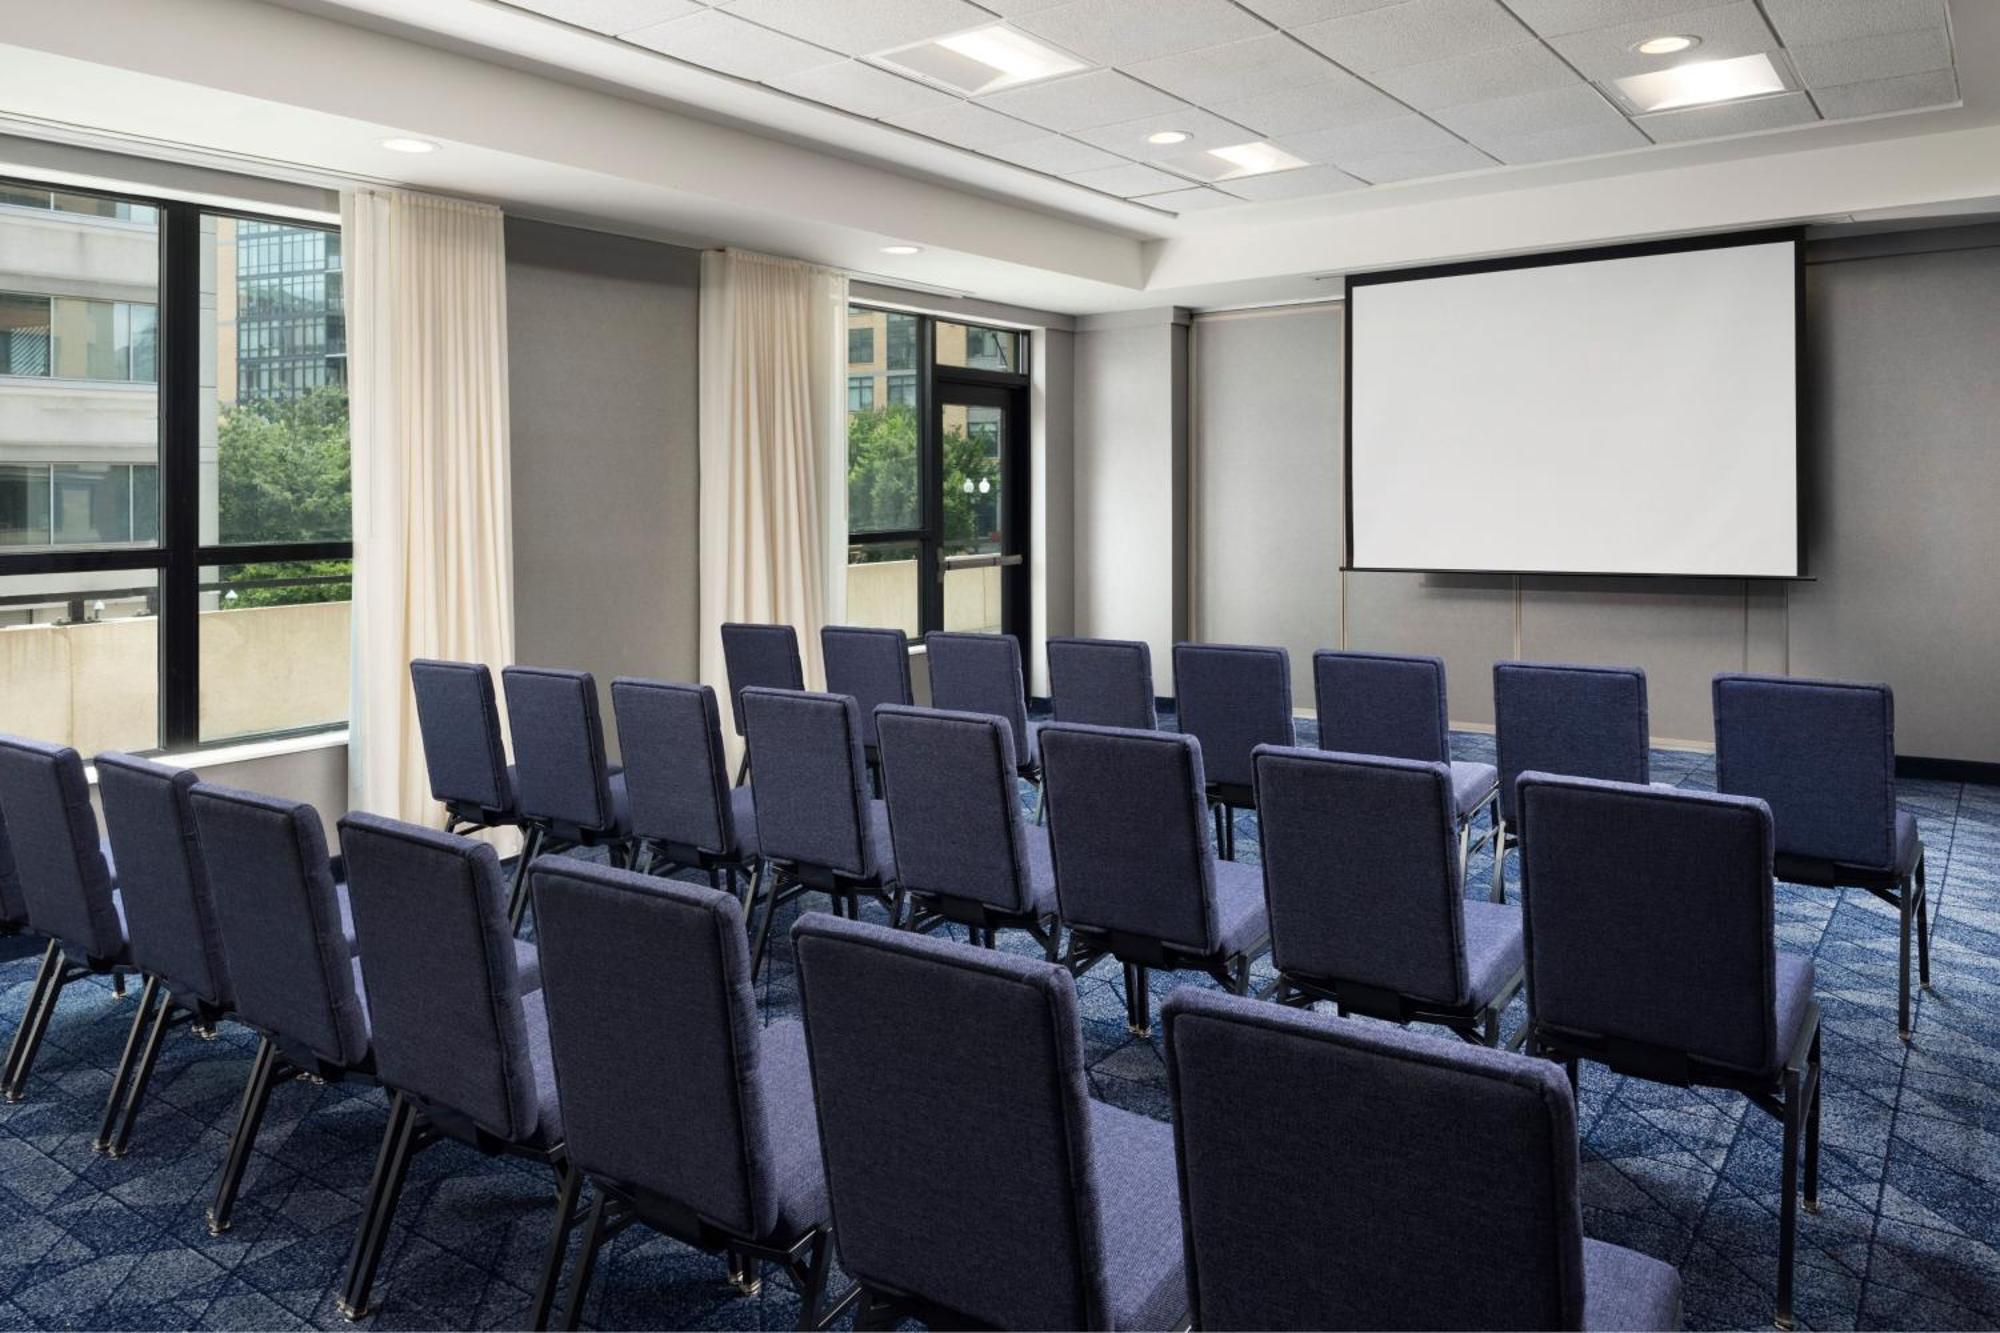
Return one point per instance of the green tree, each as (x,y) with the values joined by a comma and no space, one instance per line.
(882,478)
(283,474)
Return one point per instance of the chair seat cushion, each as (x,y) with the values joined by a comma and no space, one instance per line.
(1623,1289)
(541,1060)
(796,1169)
(1493,949)
(1041,870)
(1138,1207)
(881,852)
(1797,868)
(1795,994)
(743,813)
(1242,922)
(528,965)
(1472,783)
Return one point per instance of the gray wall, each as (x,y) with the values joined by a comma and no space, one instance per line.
(602,336)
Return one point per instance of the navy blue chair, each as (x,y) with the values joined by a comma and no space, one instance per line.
(458,717)
(964,851)
(460,1042)
(872,666)
(1650,949)
(170,920)
(1232,699)
(1822,755)
(981,673)
(697,1122)
(764,656)
(289,944)
(818,829)
(1419,1152)
(1386,704)
(1367,898)
(570,797)
(1581,721)
(1102,682)
(66,890)
(1060,1211)
(684,813)
(1136,878)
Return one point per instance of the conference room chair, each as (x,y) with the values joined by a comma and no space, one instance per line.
(964,851)
(1102,682)
(818,829)
(1581,721)
(461,1042)
(1442,1181)
(1232,698)
(1026,1204)
(1367,895)
(290,951)
(1136,877)
(1822,755)
(684,813)
(169,912)
(981,673)
(697,1123)
(765,656)
(569,795)
(1394,705)
(458,717)
(66,889)
(873,667)
(1650,949)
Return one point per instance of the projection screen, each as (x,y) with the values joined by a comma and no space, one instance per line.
(1609,412)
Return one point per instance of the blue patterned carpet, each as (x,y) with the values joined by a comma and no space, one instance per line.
(1909,1236)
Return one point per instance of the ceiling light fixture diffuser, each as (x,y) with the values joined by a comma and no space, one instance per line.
(983,60)
(1255,159)
(1666,46)
(1164,137)
(409,145)
(1701,83)
(902,249)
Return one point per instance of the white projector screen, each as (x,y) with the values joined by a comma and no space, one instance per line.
(1633,413)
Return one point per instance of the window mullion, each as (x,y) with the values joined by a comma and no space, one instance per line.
(180,476)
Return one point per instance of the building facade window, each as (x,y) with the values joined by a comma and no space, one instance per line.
(73,338)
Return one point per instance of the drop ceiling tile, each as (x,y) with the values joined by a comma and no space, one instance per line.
(1081,101)
(862,27)
(1127,179)
(1298,13)
(722,42)
(612,16)
(1864,58)
(1726,31)
(863,90)
(1298,183)
(1877,97)
(1811,22)
(1344,100)
(1387,167)
(1118,32)
(1552,18)
(1055,154)
(1198,200)
(1236,69)
(1413,32)
(1708,122)
(1579,106)
(1398,134)
(1478,76)
(1204,132)
(1561,143)
(966,125)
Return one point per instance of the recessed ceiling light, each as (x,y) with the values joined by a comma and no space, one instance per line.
(984,60)
(409,145)
(1666,46)
(1167,136)
(1255,159)
(902,249)
(1700,83)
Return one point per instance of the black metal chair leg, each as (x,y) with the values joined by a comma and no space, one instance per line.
(517,903)
(570,1188)
(874,1313)
(1923,911)
(249,1116)
(743,769)
(36,1024)
(1788,1204)
(768,875)
(51,964)
(149,1059)
(392,1167)
(1904,901)
(1498,893)
(119,1080)
(1139,1002)
(586,1261)
(811,1278)
(1815,1080)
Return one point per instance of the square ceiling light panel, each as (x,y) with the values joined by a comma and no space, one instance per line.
(981,60)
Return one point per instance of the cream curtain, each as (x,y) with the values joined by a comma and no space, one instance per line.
(433,545)
(773,451)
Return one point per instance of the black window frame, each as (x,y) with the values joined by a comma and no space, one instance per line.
(177,559)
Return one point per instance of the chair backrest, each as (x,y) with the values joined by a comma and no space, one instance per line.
(871,665)
(437,957)
(672,1104)
(559,761)
(1412,1151)
(812,781)
(676,771)
(1232,698)
(1648,917)
(954,806)
(890,1017)
(1582,721)
(1821,754)
(162,875)
(1128,833)
(1361,871)
(766,656)
(1102,682)
(45,799)
(275,900)
(1382,703)
(13,905)
(980,673)
(460,722)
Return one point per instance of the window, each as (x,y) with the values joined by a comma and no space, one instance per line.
(860,347)
(903,390)
(976,347)
(860,393)
(174,495)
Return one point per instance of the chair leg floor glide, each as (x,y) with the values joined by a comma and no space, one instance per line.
(265,1071)
(20,1052)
